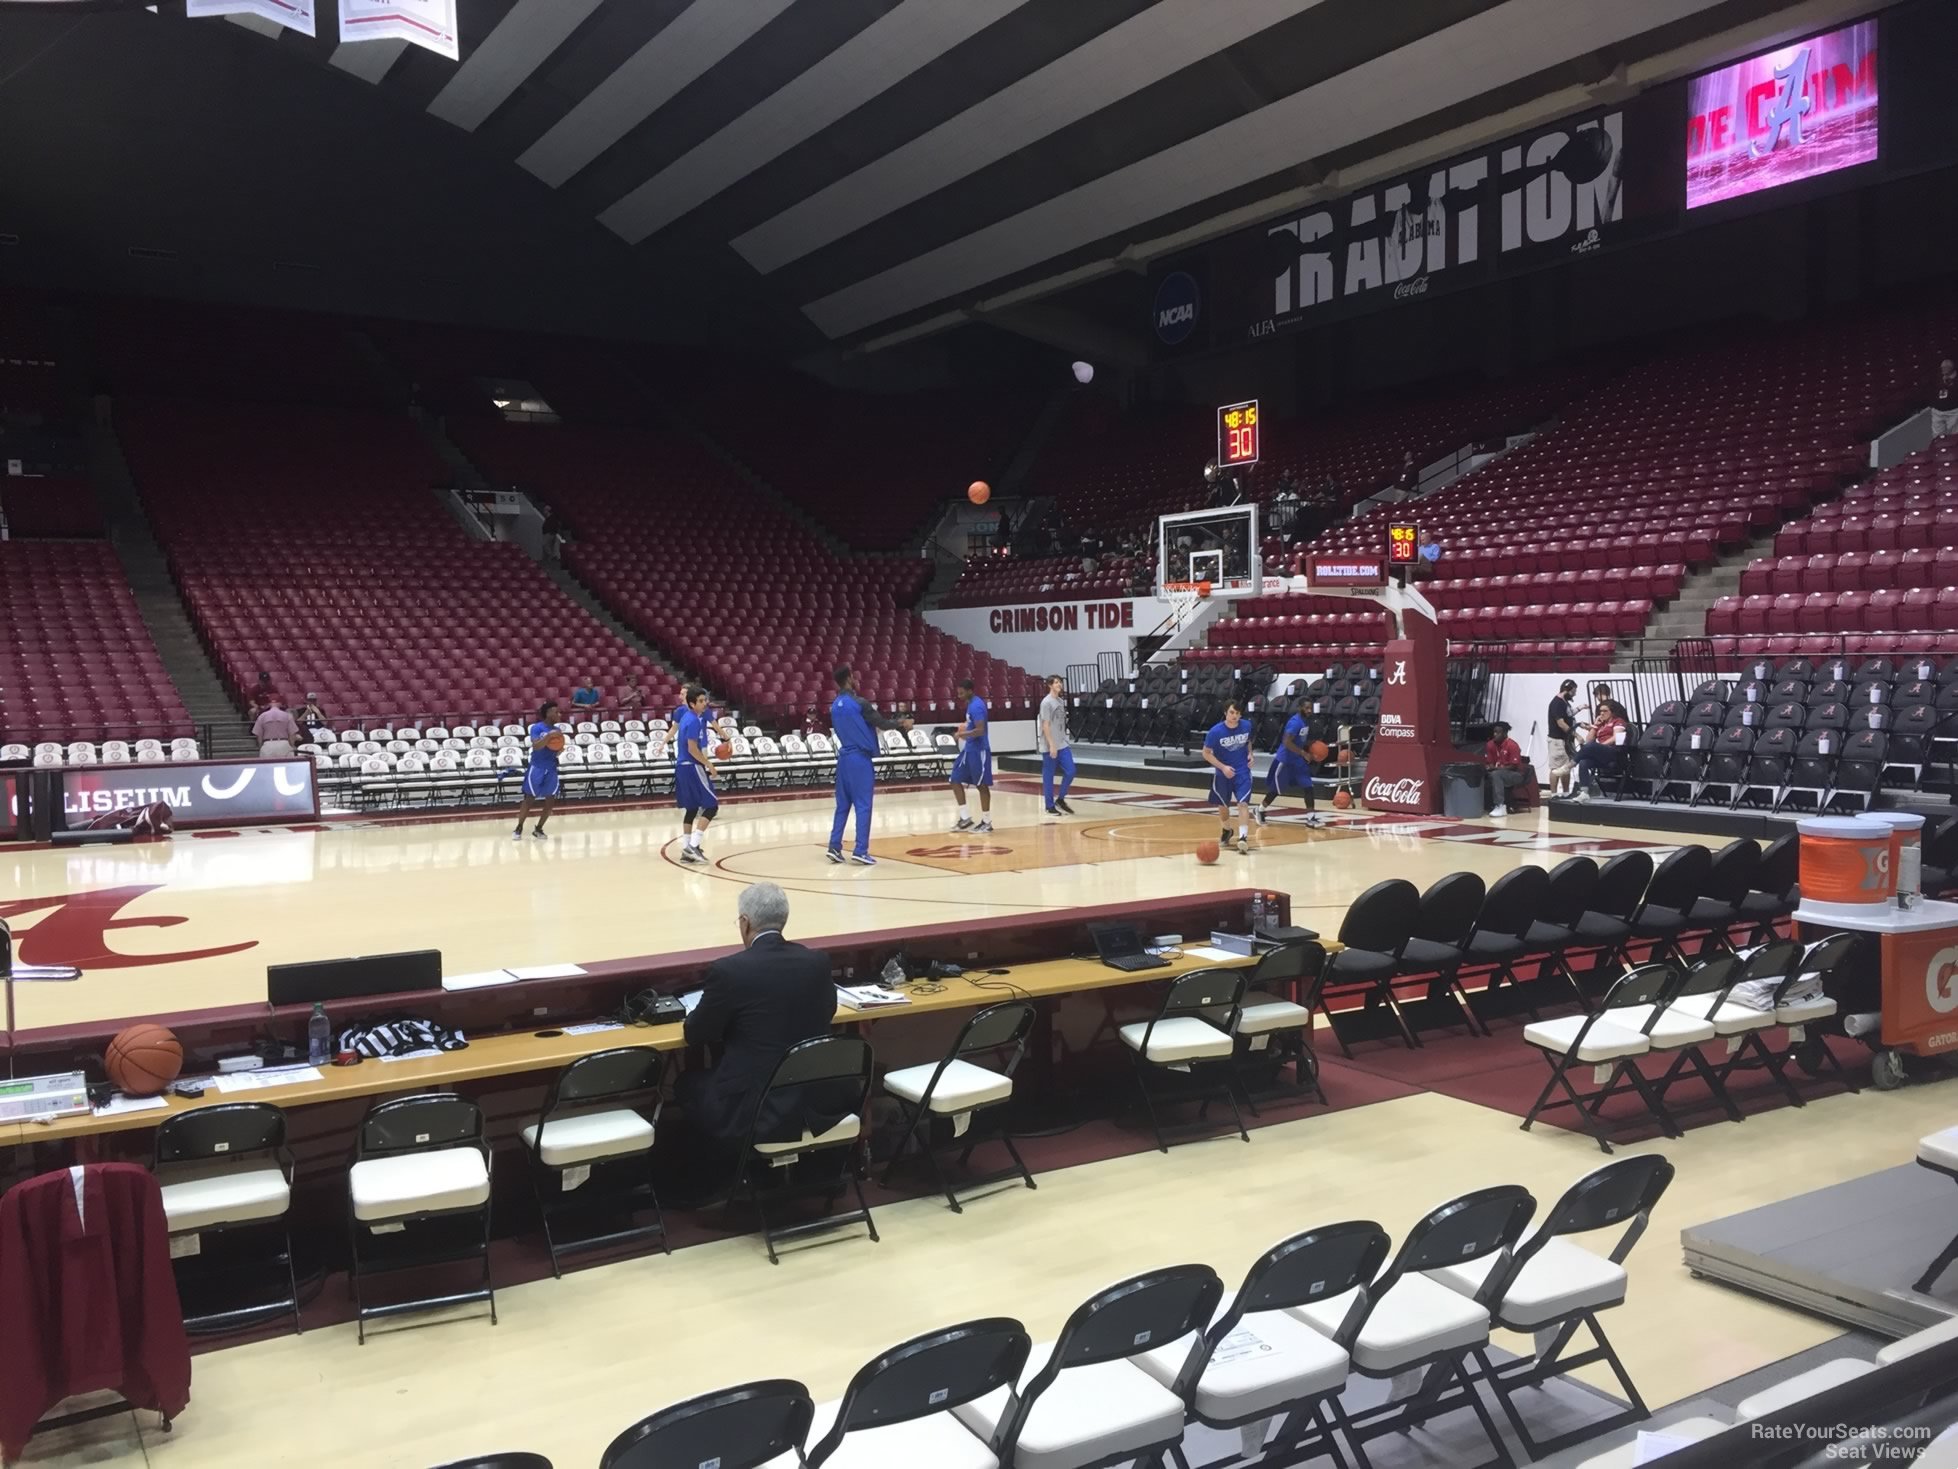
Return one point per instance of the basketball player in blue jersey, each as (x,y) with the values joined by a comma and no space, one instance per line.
(1227,748)
(1291,770)
(693,775)
(974,765)
(854,724)
(540,782)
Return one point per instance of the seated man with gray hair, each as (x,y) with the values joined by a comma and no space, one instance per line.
(753,1007)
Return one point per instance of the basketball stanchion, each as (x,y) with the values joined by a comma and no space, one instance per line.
(12,974)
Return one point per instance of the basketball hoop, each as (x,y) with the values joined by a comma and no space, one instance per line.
(1184,597)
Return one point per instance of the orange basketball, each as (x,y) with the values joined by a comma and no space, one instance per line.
(723,750)
(1343,799)
(143,1059)
(1203,589)
(555,741)
(978,492)
(1345,755)
(1318,750)
(1207,852)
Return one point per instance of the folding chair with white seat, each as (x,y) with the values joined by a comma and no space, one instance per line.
(115,752)
(1271,1008)
(1764,970)
(224,1169)
(1919,1341)
(1792,1390)
(1273,1368)
(744,1427)
(597,1123)
(769,1166)
(956,1088)
(421,1165)
(1698,1001)
(1084,1401)
(14,754)
(1549,1286)
(899,1410)
(1635,1454)
(1196,1026)
(82,752)
(1612,1048)
(1939,1152)
(1408,1322)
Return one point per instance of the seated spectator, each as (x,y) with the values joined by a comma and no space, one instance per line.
(1605,754)
(586,695)
(264,694)
(276,731)
(1410,474)
(312,718)
(1944,399)
(1505,770)
(632,697)
(1601,695)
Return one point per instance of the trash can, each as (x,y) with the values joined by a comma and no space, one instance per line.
(1462,790)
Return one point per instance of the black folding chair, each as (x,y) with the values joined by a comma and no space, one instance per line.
(842,1067)
(1554,932)
(1498,938)
(599,1116)
(736,1428)
(1717,908)
(1771,894)
(927,1378)
(959,1090)
(227,1170)
(514,1460)
(1195,1026)
(1375,929)
(1660,917)
(1605,926)
(1437,948)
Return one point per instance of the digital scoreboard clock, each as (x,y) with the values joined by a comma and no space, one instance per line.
(1403,544)
(1237,434)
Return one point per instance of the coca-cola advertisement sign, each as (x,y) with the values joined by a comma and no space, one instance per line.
(1403,792)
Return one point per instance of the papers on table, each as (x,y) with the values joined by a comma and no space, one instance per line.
(492,977)
(869,997)
(120,1103)
(269,1076)
(690,1001)
(1213,955)
(594,1027)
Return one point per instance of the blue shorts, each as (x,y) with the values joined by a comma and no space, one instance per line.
(974,767)
(693,789)
(1285,776)
(1225,789)
(540,784)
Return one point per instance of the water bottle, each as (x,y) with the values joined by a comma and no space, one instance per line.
(1257,911)
(319,1036)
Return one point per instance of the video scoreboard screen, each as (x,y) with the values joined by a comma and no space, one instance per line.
(1237,434)
(1403,544)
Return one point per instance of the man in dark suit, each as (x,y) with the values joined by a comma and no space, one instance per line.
(755,1005)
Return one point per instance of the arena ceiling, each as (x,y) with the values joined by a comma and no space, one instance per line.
(779,174)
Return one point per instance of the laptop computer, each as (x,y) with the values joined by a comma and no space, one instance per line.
(1120,947)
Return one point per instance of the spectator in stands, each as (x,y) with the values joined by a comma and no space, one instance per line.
(1944,399)
(1604,755)
(552,532)
(586,695)
(1563,737)
(1601,695)
(1429,550)
(264,694)
(276,731)
(1505,770)
(1410,474)
(631,697)
(312,718)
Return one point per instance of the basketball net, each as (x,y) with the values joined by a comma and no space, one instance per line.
(1183,599)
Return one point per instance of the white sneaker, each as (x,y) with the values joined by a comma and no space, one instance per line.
(1583,794)
(1243,847)
(1258,815)
(692,854)
(1499,810)
(984,826)
(964,823)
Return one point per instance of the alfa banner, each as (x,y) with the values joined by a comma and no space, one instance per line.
(429,23)
(295,15)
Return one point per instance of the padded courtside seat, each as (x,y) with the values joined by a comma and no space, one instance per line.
(746,1427)
(1938,1151)
(835,1064)
(1802,1385)
(957,1089)
(1194,1028)
(227,1168)
(599,1118)
(1633,1454)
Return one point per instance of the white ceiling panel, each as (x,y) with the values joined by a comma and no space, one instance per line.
(1141,51)
(699,37)
(505,57)
(878,57)
(1489,50)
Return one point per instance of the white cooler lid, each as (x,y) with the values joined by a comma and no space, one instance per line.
(1842,826)
(1903,820)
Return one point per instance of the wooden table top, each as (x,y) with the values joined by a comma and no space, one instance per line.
(521,1051)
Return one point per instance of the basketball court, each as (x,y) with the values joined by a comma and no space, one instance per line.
(192,922)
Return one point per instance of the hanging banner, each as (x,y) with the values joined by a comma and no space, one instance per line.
(428,23)
(294,15)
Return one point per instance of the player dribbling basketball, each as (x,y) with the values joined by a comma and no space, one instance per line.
(1291,770)
(1227,748)
(693,775)
(540,781)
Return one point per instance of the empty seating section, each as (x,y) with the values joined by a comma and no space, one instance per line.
(989,581)
(76,662)
(215,352)
(450,370)
(1110,470)
(1875,572)
(307,545)
(873,468)
(30,383)
(734,587)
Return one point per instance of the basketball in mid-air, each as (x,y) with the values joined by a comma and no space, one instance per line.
(1207,852)
(1203,589)
(554,741)
(723,750)
(1343,799)
(143,1059)
(1318,750)
(978,492)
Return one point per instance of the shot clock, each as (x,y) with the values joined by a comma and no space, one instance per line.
(1237,434)
(1403,544)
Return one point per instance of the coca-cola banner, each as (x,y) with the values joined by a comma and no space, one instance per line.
(199,793)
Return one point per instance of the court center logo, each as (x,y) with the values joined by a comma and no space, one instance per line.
(1176,308)
(1941,981)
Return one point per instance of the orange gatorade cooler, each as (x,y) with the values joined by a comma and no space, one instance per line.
(1906,853)
(1846,862)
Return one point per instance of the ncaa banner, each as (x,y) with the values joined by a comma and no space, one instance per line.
(427,23)
(294,15)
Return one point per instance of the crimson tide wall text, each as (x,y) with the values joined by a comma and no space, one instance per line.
(1063,617)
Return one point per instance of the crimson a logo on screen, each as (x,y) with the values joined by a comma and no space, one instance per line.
(1176,309)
